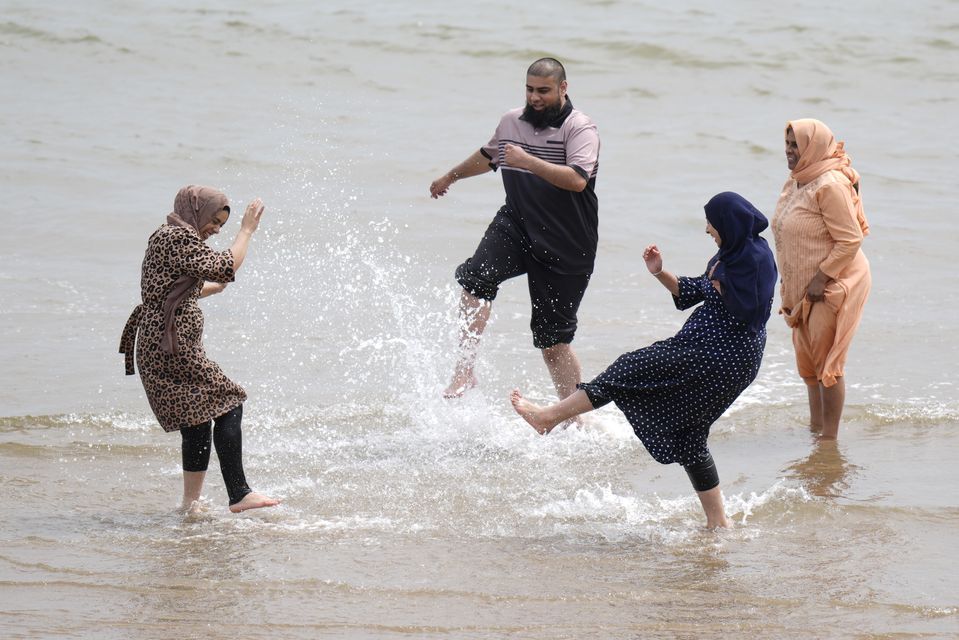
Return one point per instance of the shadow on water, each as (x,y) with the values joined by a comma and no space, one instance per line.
(825,472)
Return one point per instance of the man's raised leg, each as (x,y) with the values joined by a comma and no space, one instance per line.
(474,314)
(564,368)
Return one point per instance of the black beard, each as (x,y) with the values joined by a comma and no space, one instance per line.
(541,119)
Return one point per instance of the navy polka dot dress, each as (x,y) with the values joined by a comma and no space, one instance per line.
(673,390)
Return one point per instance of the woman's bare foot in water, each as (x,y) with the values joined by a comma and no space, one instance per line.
(253,500)
(538,417)
(194,508)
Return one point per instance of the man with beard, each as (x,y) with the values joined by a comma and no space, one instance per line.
(549,154)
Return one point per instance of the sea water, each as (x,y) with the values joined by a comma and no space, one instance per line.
(405,515)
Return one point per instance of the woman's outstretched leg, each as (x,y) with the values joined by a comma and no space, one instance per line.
(543,419)
(228,440)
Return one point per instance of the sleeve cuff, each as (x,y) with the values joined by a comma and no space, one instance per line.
(486,155)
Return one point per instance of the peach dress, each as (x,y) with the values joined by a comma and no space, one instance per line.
(820,225)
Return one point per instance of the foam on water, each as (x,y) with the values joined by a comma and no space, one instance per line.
(346,469)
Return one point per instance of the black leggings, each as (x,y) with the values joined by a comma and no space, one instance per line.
(703,474)
(228,440)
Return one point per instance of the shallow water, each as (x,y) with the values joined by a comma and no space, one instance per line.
(405,515)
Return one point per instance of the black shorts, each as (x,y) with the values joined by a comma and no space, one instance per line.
(504,253)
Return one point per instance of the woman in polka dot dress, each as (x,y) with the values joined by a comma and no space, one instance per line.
(673,390)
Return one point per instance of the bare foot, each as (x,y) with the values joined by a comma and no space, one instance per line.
(253,500)
(713,508)
(195,507)
(462,382)
(531,413)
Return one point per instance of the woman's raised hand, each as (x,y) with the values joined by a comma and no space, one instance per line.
(653,258)
(654,262)
(251,218)
(249,224)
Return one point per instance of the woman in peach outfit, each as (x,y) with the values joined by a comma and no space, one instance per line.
(819,226)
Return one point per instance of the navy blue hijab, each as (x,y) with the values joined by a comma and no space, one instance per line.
(744,264)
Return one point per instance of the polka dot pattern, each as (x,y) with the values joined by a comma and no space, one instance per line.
(674,390)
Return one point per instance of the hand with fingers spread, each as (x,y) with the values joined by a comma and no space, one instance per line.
(251,217)
(249,224)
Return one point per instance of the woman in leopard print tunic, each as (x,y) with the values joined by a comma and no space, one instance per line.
(186,389)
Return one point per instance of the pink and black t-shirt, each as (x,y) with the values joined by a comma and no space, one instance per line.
(561,226)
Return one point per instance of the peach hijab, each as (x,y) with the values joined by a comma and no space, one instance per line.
(818,153)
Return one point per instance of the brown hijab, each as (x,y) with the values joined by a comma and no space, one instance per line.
(193,208)
(818,153)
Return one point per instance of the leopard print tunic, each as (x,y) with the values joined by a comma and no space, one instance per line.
(186,388)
